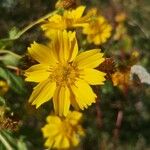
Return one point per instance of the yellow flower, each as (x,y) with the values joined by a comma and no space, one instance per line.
(120,32)
(63,75)
(63,133)
(98,30)
(69,19)
(4,87)
(120,17)
(121,79)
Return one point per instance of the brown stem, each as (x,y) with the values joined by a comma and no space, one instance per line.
(118,125)
(98,110)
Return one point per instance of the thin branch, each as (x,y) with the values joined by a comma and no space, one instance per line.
(98,110)
(6,144)
(30,26)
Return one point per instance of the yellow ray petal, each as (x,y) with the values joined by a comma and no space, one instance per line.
(78,12)
(64,143)
(93,76)
(50,128)
(64,101)
(73,49)
(75,140)
(74,117)
(65,46)
(73,101)
(37,73)
(55,100)
(55,22)
(42,93)
(49,142)
(97,39)
(42,54)
(83,93)
(61,101)
(89,59)
(58,141)
(53,119)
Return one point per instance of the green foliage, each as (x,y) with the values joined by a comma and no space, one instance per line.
(9,142)
(15,82)
(100,119)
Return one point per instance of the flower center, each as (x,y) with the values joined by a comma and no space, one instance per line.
(64,74)
(67,129)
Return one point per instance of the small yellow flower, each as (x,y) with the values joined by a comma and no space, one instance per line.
(63,75)
(69,19)
(4,87)
(98,30)
(63,133)
(121,17)
(121,79)
(120,32)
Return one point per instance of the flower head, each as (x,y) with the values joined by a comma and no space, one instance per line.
(121,79)
(98,30)
(4,87)
(70,19)
(62,133)
(63,75)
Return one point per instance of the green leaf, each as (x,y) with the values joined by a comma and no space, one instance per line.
(5,139)
(21,145)
(13,33)
(15,82)
(2,101)
(9,142)
(9,58)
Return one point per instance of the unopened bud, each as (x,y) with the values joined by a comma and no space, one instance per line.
(66,4)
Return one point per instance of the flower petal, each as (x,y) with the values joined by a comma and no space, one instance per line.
(89,59)
(49,142)
(93,76)
(75,140)
(64,143)
(58,139)
(61,101)
(73,101)
(65,46)
(78,12)
(37,73)
(42,93)
(53,120)
(84,99)
(73,46)
(50,128)
(74,117)
(54,22)
(42,54)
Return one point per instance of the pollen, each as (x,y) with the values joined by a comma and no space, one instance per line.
(64,74)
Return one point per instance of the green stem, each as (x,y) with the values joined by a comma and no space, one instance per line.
(6,144)
(30,26)
(11,53)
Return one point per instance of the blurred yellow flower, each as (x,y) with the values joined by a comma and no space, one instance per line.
(120,31)
(121,79)
(98,30)
(121,17)
(63,75)
(63,133)
(4,87)
(69,19)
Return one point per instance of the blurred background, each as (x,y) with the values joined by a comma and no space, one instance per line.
(120,120)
